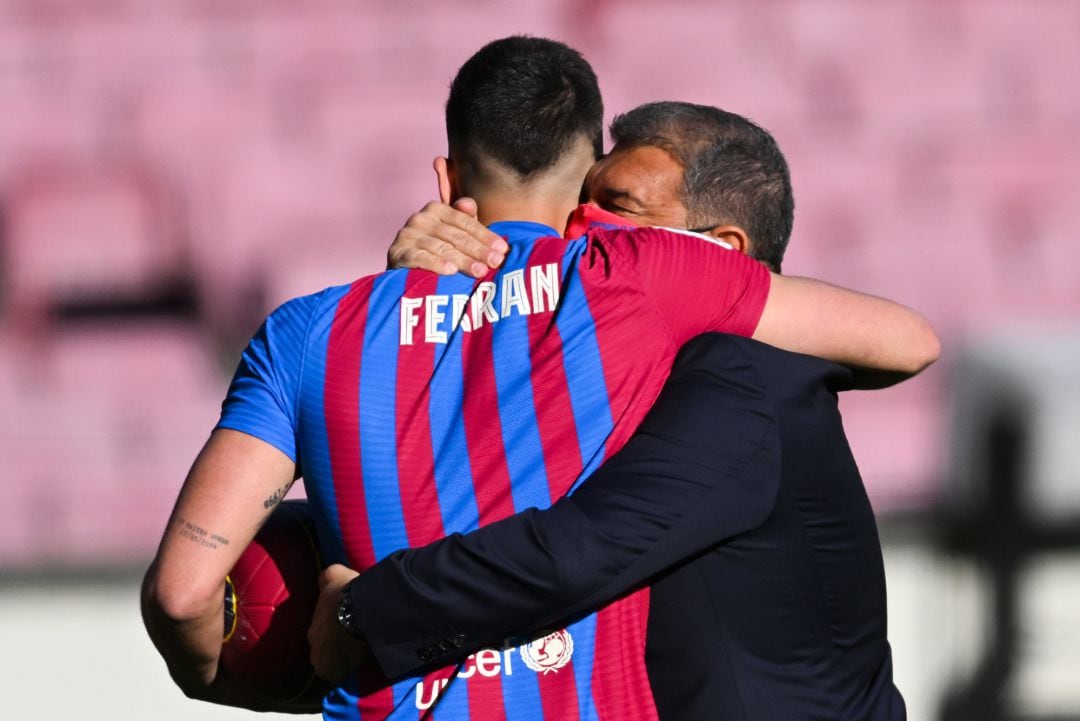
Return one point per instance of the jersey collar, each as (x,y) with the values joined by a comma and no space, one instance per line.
(583,219)
(522,229)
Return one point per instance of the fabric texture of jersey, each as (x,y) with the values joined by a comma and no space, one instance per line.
(417,406)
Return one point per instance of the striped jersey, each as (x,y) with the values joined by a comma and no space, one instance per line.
(418,406)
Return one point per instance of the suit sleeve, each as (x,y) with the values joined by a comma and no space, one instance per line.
(703,467)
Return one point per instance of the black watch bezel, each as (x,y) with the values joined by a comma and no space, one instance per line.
(345,614)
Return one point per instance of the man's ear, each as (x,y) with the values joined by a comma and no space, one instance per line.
(734,236)
(447,179)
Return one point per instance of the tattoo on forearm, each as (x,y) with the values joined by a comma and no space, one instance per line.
(277,496)
(199,535)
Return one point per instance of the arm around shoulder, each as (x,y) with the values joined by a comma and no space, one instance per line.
(703,467)
(884,341)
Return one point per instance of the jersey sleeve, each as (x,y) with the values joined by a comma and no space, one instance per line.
(696,283)
(262,397)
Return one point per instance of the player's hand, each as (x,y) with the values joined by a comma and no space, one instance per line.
(447,239)
(334,651)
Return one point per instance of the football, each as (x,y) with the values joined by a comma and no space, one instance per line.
(270,596)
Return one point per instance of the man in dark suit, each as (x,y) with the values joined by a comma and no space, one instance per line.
(737,501)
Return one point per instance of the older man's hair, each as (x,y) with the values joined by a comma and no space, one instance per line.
(733,170)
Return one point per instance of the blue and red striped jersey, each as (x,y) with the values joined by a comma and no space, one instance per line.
(417,406)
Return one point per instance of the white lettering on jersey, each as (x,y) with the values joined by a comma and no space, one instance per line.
(508,654)
(409,319)
(513,294)
(527,290)
(457,313)
(481,304)
(549,653)
(486,662)
(433,318)
(546,654)
(544,280)
(423,700)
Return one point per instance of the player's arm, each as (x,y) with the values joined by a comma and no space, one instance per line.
(699,286)
(233,486)
(246,467)
(703,467)
(883,341)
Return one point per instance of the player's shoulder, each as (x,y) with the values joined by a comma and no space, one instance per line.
(652,252)
(647,239)
(296,314)
(305,305)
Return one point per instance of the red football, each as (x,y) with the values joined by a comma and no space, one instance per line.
(270,597)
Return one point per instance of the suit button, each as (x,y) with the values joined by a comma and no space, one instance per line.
(459,640)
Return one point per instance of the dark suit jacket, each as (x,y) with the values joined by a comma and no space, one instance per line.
(738,500)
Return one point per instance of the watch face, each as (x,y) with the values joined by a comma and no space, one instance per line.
(344,612)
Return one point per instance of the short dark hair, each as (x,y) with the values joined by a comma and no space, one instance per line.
(733,170)
(524,102)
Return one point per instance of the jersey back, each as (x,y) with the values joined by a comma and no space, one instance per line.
(417,406)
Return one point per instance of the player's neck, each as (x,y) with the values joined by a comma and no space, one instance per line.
(553,213)
(547,196)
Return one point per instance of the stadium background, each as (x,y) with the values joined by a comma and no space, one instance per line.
(170,170)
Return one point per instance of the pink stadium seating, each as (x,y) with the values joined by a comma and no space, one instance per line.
(87,233)
(100,424)
(266,149)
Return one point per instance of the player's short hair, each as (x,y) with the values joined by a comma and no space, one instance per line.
(733,170)
(525,102)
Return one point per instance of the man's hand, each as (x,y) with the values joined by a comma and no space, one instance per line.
(334,651)
(447,239)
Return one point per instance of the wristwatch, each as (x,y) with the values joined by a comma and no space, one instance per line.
(345,614)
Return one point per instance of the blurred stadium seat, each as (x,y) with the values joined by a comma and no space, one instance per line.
(99,421)
(80,235)
(170,170)
(935,158)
